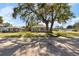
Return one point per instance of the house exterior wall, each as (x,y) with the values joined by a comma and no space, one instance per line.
(38,29)
(3,29)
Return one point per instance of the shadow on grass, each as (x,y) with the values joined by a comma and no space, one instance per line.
(9,50)
(44,46)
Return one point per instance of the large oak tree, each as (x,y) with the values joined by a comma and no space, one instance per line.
(45,12)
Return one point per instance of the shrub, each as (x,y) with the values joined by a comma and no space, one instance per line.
(29,34)
(12,36)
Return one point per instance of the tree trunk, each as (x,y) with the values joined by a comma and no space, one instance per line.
(47,29)
(51,26)
(52,22)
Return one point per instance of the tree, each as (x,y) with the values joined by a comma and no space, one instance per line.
(76,26)
(1,19)
(31,24)
(47,13)
(7,24)
(61,13)
(70,27)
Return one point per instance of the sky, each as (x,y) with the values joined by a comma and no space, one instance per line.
(6,10)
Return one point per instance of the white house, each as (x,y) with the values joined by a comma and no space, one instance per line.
(40,27)
(2,28)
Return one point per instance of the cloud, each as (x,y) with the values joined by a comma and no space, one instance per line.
(6,13)
(71,21)
(71,4)
(56,24)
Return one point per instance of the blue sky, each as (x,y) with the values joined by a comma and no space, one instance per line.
(6,10)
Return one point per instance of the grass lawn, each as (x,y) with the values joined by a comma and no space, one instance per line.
(66,34)
(17,34)
(53,47)
(2,35)
(31,34)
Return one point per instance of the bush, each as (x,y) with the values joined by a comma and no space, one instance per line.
(12,36)
(65,34)
(29,34)
(74,30)
(56,29)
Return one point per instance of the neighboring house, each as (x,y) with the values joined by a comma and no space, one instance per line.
(3,28)
(15,29)
(12,29)
(39,28)
(9,29)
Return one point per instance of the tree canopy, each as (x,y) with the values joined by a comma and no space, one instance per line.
(70,27)
(7,24)
(1,19)
(45,12)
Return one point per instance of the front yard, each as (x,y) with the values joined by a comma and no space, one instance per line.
(20,34)
(35,44)
(31,34)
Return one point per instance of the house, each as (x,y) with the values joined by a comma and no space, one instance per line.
(12,29)
(40,27)
(9,28)
(3,28)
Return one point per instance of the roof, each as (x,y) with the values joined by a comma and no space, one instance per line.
(12,27)
(41,24)
(1,24)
